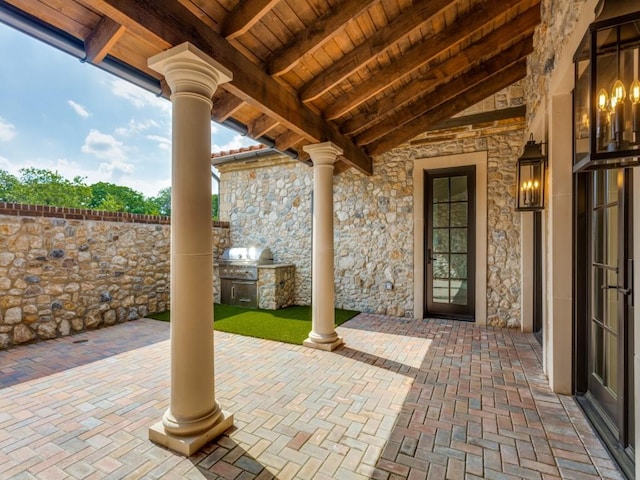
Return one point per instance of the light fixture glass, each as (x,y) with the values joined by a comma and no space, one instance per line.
(607,89)
(530,178)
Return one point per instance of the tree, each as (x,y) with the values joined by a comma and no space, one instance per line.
(8,184)
(116,198)
(43,187)
(215,206)
(162,201)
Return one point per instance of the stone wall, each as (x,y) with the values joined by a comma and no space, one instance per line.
(270,202)
(558,20)
(66,270)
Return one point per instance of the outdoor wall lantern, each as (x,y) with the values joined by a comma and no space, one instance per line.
(607,89)
(530,178)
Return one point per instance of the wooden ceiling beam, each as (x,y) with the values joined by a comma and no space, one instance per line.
(244,16)
(261,126)
(381,40)
(425,51)
(226,106)
(442,112)
(102,39)
(287,140)
(448,90)
(314,36)
(521,26)
(175,24)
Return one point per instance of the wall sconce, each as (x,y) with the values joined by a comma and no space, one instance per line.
(607,89)
(530,178)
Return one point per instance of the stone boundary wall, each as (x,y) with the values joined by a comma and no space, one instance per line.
(65,270)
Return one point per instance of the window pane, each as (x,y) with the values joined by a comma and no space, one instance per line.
(440,190)
(459,266)
(611,362)
(459,214)
(597,350)
(459,189)
(598,294)
(441,266)
(459,240)
(441,240)
(598,236)
(441,291)
(612,236)
(441,215)
(459,292)
(612,302)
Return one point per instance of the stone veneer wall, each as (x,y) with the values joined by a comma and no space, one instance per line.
(558,20)
(67,270)
(270,202)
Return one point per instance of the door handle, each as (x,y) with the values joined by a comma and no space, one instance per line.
(624,291)
(429,257)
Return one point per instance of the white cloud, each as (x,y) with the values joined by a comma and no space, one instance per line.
(7,130)
(134,127)
(236,142)
(106,147)
(79,109)
(138,97)
(164,143)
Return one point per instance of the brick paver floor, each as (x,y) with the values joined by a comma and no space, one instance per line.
(403,399)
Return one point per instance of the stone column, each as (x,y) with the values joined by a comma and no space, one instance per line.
(194,417)
(323,333)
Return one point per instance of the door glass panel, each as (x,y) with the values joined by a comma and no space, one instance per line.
(459,214)
(440,190)
(459,266)
(441,291)
(611,362)
(599,187)
(612,186)
(597,236)
(441,266)
(459,189)
(599,293)
(459,292)
(441,240)
(612,235)
(441,215)
(459,240)
(597,351)
(611,320)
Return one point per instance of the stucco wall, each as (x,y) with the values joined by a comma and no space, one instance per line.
(67,270)
(269,202)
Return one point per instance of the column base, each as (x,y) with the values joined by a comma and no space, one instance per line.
(188,445)
(327,347)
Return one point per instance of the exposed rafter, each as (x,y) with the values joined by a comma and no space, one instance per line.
(102,39)
(176,24)
(448,90)
(226,106)
(287,140)
(446,70)
(261,126)
(314,36)
(246,14)
(398,28)
(436,115)
(422,53)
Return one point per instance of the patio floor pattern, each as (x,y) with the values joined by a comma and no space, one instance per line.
(416,399)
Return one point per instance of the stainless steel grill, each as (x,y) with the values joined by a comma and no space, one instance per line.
(238,270)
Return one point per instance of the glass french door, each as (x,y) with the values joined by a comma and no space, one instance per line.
(608,399)
(450,243)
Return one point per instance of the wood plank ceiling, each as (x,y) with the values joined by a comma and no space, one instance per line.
(367,75)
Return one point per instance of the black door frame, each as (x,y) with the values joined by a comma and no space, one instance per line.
(453,312)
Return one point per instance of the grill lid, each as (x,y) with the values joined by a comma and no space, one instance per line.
(254,254)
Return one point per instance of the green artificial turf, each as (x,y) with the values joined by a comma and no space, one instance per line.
(289,325)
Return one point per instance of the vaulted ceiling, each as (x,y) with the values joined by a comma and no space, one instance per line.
(366,75)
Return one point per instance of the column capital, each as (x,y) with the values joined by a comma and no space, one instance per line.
(188,69)
(323,153)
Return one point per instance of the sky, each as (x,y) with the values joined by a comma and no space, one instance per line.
(60,114)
